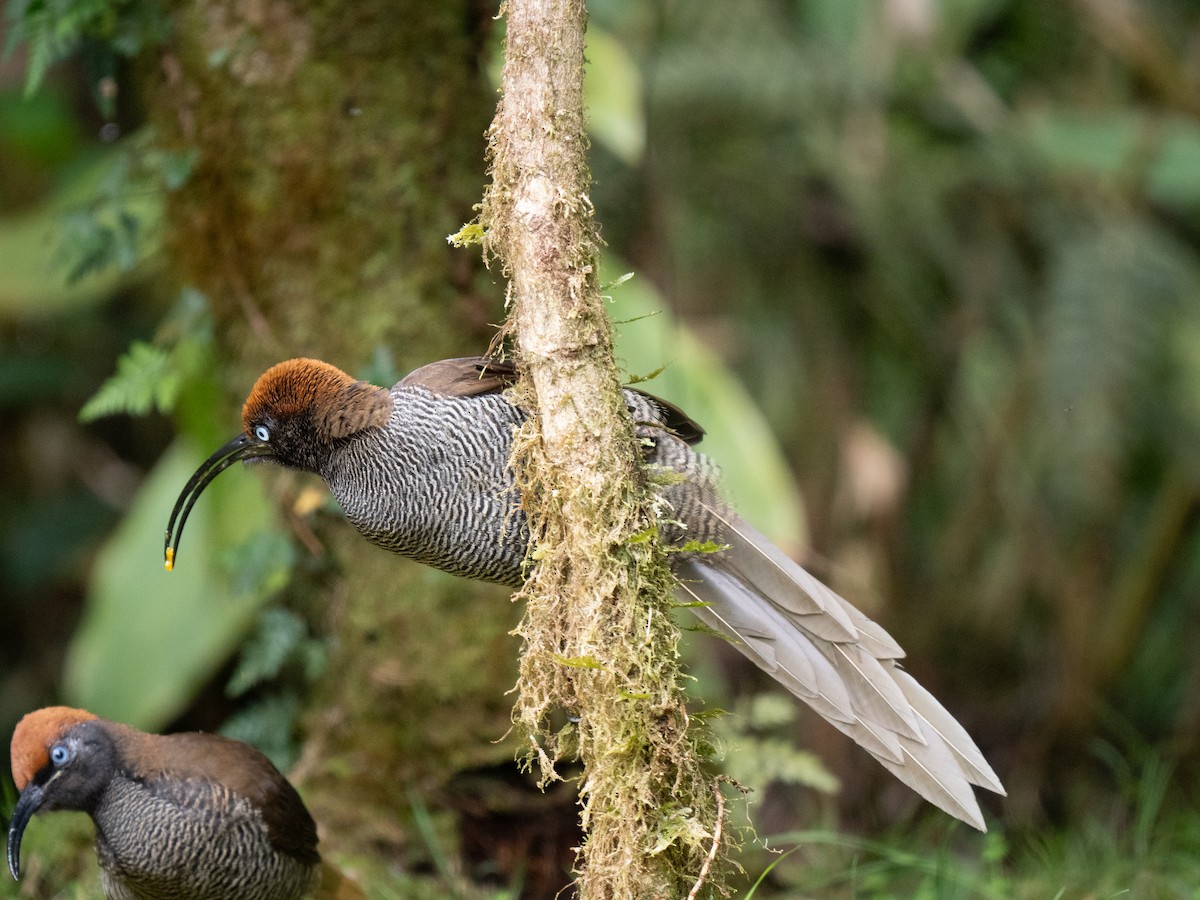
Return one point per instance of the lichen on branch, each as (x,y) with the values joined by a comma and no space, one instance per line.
(599,641)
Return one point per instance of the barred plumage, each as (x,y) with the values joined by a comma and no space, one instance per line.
(191,840)
(434,484)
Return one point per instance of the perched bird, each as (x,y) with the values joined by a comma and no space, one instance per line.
(184,816)
(422,469)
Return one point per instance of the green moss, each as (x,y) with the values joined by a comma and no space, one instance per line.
(601,594)
(599,639)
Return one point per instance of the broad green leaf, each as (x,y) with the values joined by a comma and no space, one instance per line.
(613,94)
(150,638)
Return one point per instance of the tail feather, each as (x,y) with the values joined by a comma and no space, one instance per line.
(787,655)
(783,652)
(931,769)
(871,635)
(838,661)
(953,734)
(776,575)
(877,696)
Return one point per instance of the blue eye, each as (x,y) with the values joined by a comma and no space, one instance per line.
(60,754)
(262,432)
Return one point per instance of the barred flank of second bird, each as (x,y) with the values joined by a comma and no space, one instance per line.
(165,839)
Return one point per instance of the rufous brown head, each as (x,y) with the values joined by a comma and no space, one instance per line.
(297,413)
(55,765)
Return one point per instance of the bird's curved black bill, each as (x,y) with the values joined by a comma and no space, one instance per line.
(30,801)
(241,447)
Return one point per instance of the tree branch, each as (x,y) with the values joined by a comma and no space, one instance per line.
(599,640)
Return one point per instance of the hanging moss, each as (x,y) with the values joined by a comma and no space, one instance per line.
(599,639)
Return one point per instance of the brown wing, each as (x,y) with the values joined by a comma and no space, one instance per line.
(471,376)
(674,419)
(464,376)
(242,769)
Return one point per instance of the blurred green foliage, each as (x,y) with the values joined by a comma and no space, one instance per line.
(79,219)
(50,30)
(950,250)
(650,341)
(170,632)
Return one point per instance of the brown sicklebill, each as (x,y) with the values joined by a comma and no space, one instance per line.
(185,816)
(422,470)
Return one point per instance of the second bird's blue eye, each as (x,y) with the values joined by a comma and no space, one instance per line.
(262,432)
(59,754)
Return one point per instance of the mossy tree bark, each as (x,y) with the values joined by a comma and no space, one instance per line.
(599,639)
(338,144)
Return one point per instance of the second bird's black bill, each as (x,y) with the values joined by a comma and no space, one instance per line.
(30,802)
(241,447)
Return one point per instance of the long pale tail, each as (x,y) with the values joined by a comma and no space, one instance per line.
(837,661)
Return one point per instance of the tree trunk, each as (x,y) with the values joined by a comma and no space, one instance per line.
(599,639)
(339,143)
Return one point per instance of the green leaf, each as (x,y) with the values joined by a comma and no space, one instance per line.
(281,635)
(35,248)
(144,381)
(757,761)
(1122,145)
(762,746)
(613,94)
(149,639)
(578,662)
(150,376)
(110,229)
(53,29)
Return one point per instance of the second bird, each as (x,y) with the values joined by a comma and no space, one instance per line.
(422,469)
(189,816)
